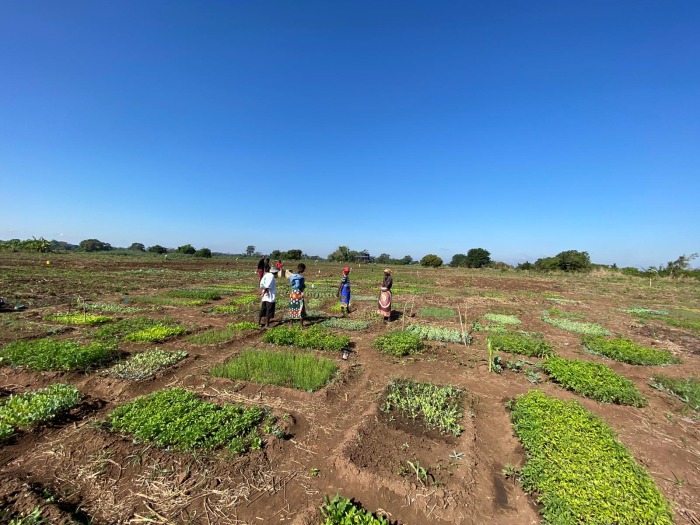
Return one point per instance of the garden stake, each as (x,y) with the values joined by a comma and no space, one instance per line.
(462,326)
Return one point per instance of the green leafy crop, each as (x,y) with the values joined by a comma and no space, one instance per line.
(52,354)
(399,343)
(578,469)
(437,333)
(316,337)
(436,406)
(177,418)
(342,511)
(145,364)
(79,318)
(520,344)
(577,327)
(627,351)
(593,380)
(346,324)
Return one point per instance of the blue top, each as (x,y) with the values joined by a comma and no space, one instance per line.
(296,281)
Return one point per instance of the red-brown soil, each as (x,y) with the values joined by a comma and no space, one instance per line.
(337,439)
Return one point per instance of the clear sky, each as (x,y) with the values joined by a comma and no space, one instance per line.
(523,127)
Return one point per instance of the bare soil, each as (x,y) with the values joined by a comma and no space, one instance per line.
(337,439)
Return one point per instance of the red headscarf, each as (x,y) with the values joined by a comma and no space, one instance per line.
(346,270)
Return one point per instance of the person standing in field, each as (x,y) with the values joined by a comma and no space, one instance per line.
(297,309)
(268,295)
(279,265)
(344,291)
(385,296)
(261,268)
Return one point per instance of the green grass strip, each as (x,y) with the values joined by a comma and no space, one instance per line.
(593,380)
(342,511)
(520,344)
(145,364)
(437,407)
(626,351)
(177,418)
(579,470)
(399,343)
(24,410)
(52,354)
(290,369)
(687,390)
(79,318)
(316,337)
(576,326)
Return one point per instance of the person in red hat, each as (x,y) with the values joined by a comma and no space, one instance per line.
(344,291)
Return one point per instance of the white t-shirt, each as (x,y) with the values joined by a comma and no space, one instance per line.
(268,281)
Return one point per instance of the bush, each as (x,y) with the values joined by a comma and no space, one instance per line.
(51,354)
(431,260)
(593,380)
(178,418)
(203,252)
(399,343)
(627,351)
(520,344)
(578,469)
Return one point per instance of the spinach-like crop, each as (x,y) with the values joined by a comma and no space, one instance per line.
(399,343)
(626,351)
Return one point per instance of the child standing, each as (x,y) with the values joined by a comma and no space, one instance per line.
(344,291)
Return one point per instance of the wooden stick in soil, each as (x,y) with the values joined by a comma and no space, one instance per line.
(462,326)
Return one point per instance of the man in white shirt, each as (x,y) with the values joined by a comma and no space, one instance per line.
(268,295)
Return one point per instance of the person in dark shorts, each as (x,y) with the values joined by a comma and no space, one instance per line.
(268,296)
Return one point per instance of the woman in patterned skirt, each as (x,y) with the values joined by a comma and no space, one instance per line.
(344,291)
(297,309)
(385,296)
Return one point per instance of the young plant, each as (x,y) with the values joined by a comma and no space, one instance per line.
(576,326)
(342,511)
(79,318)
(593,380)
(52,354)
(222,335)
(155,334)
(687,390)
(145,364)
(177,418)
(317,337)
(435,406)
(626,351)
(290,369)
(578,469)
(438,333)
(502,319)
(520,344)
(399,343)
(346,324)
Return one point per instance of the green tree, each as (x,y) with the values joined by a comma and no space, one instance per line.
(574,261)
(342,254)
(478,257)
(459,259)
(293,255)
(407,259)
(384,258)
(137,247)
(250,250)
(93,245)
(547,264)
(157,249)
(187,248)
(203,252)
(679,265)
(431,260)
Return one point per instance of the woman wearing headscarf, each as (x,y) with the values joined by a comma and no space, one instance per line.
(344,291)
(297,309)
(385,296)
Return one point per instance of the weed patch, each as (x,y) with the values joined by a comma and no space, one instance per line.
(51,354)
(687,390)
(289,369)
(626,351)
(177,418)
(579,470)
(593,380)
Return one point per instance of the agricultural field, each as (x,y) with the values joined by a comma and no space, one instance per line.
(137,389)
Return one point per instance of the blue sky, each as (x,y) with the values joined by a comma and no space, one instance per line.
(523,127)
